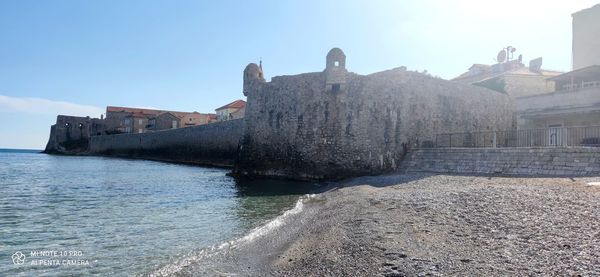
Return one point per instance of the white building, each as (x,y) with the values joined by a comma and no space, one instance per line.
(586,37)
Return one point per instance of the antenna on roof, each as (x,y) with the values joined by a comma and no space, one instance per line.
(506,54)
(501,56)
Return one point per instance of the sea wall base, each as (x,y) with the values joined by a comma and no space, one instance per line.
(547,161)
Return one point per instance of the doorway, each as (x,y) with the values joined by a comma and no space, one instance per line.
(556,133)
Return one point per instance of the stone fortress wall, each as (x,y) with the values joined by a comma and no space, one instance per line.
(322,125)
(71,134)
(214,144)
(335,124)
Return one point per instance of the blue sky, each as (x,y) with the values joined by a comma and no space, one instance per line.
(76,57)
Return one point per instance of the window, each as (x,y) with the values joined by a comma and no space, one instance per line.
(174,124)
(336,63)
(335,87)
(140,131)
(140,122)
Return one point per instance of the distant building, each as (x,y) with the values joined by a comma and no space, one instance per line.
(233,110)
(575,101)
(511,77)
(136,120)
(238,114)
(586,37)
(135,123)
(193,118)
(164,121)
(127,120)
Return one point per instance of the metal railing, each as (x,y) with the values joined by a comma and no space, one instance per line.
(582,85)
(586,136)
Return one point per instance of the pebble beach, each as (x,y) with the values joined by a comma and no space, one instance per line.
(428,225)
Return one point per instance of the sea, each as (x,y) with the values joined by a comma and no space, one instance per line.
(83,215)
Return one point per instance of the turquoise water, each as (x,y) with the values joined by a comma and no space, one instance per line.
(107,216)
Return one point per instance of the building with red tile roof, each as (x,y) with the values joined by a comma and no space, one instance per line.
(233,110)
(136,120)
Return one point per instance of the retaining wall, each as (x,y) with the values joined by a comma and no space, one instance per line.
(547,161)
(213,144)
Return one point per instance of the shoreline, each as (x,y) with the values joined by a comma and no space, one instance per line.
(128,157)
(426,224)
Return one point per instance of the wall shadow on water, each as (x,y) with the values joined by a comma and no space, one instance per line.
(274,187)
(261,200)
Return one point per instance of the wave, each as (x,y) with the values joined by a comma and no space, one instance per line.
(232,244)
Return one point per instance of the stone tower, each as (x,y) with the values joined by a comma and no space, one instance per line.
(335,70)
(253,75)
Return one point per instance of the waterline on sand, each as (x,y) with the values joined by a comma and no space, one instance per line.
(228,246)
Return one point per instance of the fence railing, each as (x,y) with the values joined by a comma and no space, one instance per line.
(547,137)
(582,85)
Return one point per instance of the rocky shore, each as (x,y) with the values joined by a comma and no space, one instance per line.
(426,225)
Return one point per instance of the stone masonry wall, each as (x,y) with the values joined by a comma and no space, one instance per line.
(549,161)
(307,127)
(214,144)
(70,134)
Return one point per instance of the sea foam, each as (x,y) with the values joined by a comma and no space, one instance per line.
(232,244)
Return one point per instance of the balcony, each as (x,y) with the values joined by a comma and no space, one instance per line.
(583,98)
(582,85)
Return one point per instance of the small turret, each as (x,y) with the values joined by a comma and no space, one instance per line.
(335,70)
(253,75)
